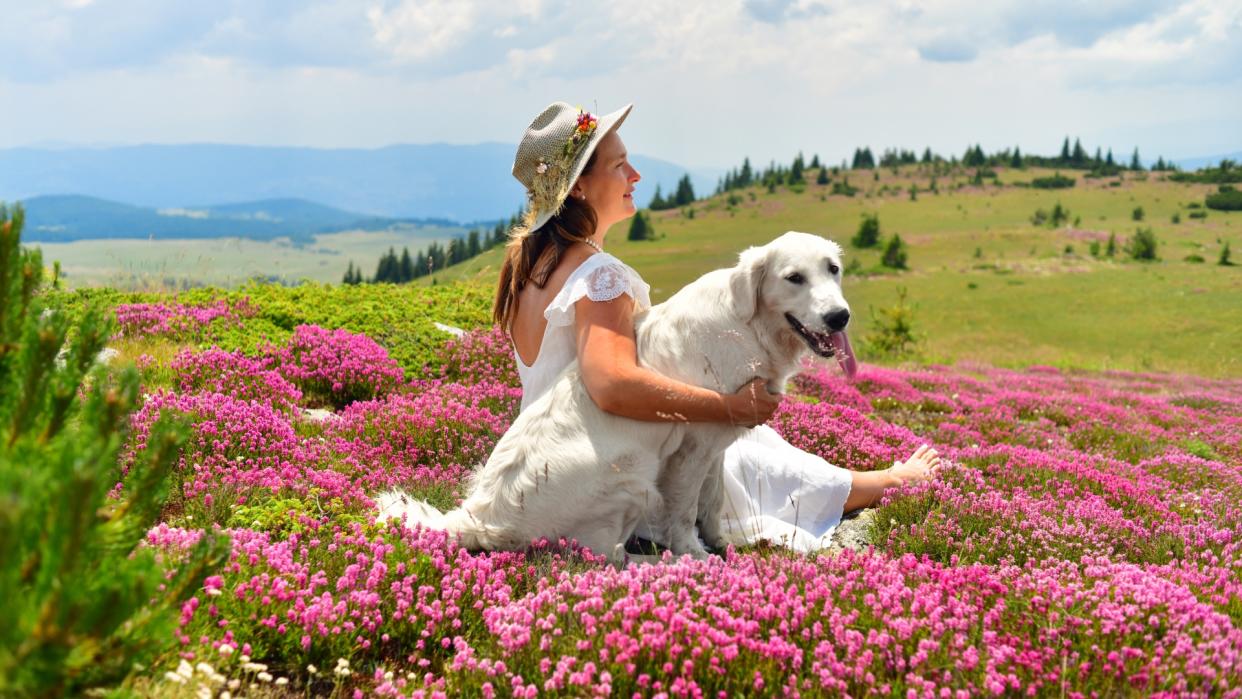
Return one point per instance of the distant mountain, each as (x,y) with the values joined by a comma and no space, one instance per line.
(63,218)
(1207,161)
(455,182)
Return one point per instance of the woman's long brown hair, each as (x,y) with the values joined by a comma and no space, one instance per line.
(532,255)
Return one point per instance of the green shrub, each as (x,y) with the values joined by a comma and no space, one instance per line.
(1177,217)
(894,253)
(1137,214)
(1226,199)
(1197,213)
(868,235)
(84,604)
(1194,259)
(1224,260)
(1142,245)
(893,335)
(1055,181)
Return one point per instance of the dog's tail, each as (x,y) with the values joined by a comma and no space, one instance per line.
(469,532)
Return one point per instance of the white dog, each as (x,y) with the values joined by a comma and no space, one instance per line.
(567,469)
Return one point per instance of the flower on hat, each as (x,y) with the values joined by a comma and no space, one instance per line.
(551,183)
(542,167)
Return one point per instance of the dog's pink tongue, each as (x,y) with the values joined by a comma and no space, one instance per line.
(844,353)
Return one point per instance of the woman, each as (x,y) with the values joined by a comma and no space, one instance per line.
(561,297)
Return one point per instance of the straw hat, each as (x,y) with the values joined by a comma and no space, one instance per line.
(555,151)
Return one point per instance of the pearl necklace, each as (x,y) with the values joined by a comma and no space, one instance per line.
(593,244)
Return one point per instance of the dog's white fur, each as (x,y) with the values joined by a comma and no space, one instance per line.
(567,469)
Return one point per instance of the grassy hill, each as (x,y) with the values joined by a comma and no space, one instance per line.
(989,285)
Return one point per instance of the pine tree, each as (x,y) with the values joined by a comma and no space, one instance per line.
(84,605)
(1135,164)
(420,265)
(795,170)
(815,161)
(1108,159)
(927,155)
(405,271)
(1065,152)
(1224,260)
(685,192)
(657,201)
(1098,159)
(747,176)
(894,253)
(1080,156)
(349,274)
(386,270)
(639,230)
(1016,160)
(472,244)
(868,235)
(822,177)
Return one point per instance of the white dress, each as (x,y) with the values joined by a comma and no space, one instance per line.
(773,490)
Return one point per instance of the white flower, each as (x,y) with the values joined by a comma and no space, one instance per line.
(541,168)
(243,658)
(226,650)
(233,684)
(205,669)
(203,692)
(312,669)
(185,670)
(226,694)
(282,681)
(254,667)
(264,677)
(174,677)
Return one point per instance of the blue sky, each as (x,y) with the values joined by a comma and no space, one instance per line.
(712,80)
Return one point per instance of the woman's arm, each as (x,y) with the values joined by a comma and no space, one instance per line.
(608,358)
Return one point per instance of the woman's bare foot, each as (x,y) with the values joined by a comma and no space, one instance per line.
(868,486)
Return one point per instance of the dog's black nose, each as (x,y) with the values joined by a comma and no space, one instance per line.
(837,320)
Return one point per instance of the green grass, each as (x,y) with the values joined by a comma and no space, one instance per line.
(1024,301)
(156,264)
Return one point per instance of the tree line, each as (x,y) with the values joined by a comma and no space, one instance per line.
(399,269)
(1072,157)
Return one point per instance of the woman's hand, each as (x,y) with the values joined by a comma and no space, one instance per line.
(752,404)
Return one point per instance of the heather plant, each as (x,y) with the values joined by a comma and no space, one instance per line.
(336,367)
(399,317)
(84,606)
(180,321)
(480,356)
(236,375)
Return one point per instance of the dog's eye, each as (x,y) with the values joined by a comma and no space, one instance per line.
(833,269)
(795,278)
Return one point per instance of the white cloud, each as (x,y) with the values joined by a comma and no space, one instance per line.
(712,80)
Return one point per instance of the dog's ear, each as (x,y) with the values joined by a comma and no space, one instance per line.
(746,280)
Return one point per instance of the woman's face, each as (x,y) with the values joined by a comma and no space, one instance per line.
(609,186)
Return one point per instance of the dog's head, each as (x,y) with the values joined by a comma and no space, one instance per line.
(794,282)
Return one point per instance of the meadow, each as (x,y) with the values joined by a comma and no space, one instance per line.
(1084,540)
(988,284)
(143,264)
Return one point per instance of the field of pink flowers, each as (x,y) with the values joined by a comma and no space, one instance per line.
(1085,540)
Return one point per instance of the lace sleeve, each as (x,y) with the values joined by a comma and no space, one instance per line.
(603,281)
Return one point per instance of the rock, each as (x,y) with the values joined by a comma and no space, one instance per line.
(456,332)
(319,414)
(852,532)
